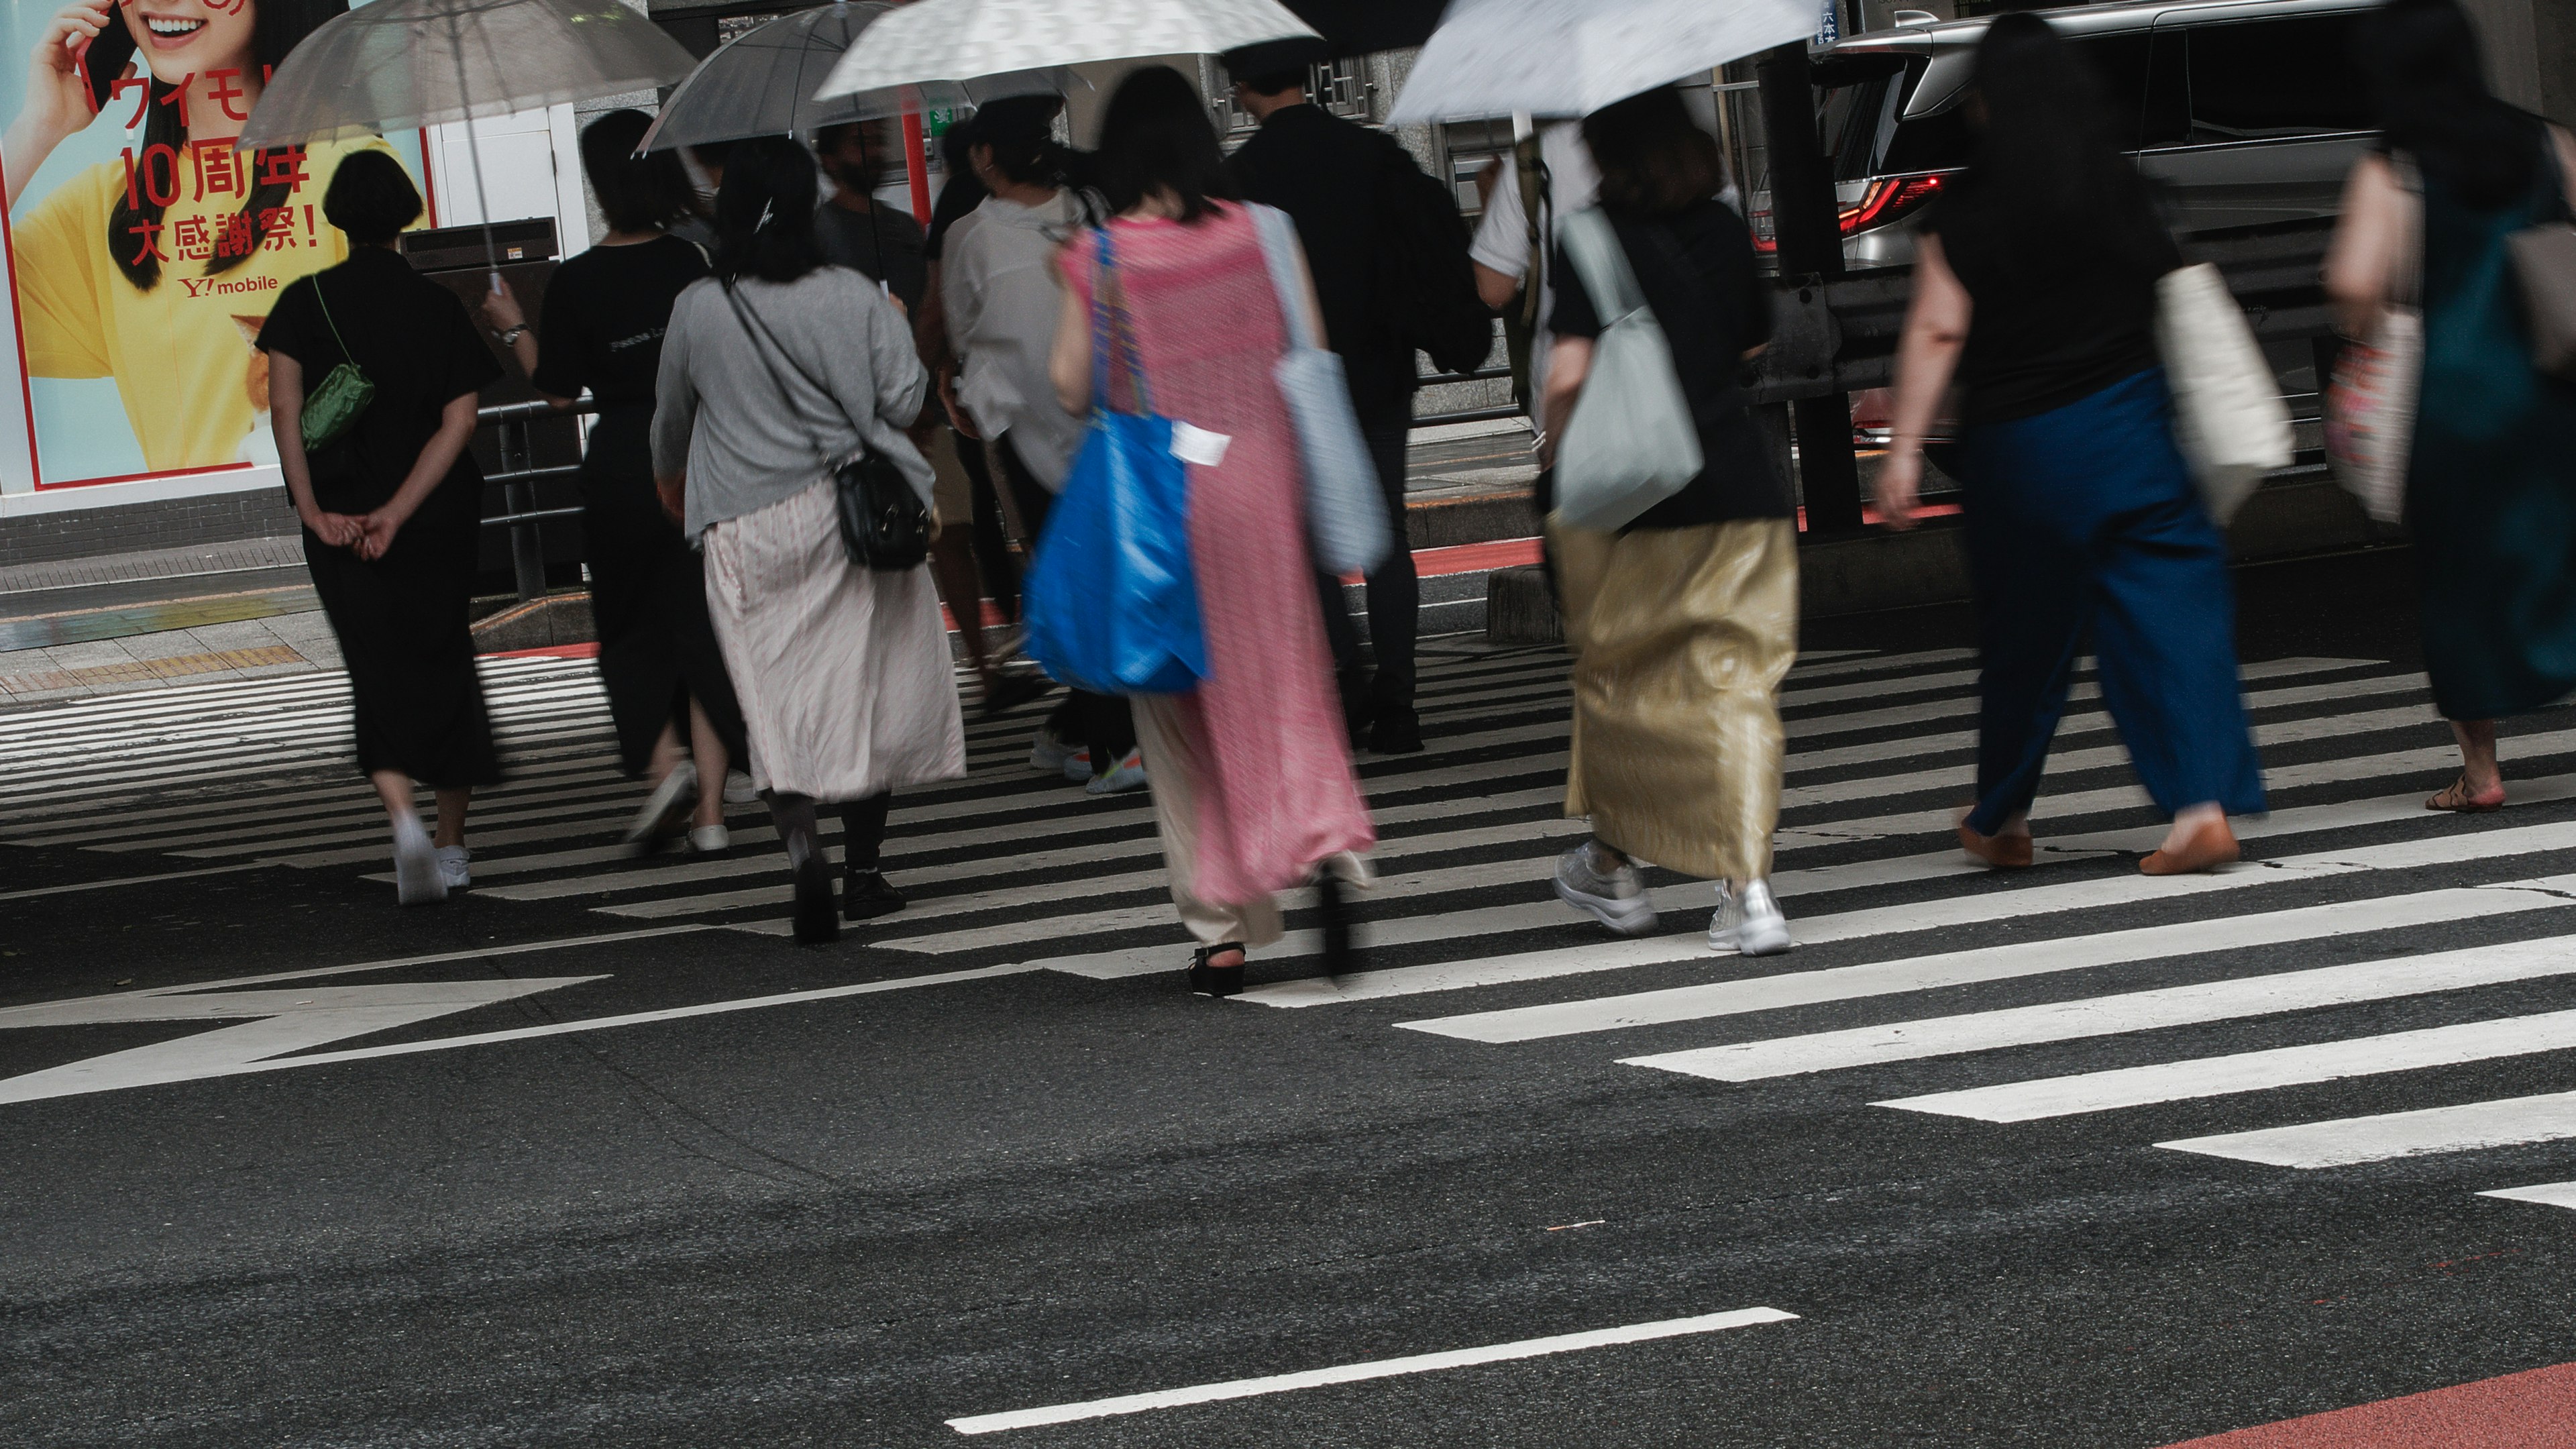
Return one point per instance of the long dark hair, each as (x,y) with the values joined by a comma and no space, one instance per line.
(636,193)
(1156,137)
(765,213)
(2047,190)
(1655,160)
(2428,86)
(280,26)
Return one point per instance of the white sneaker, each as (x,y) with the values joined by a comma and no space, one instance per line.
(1128,774)
(739,790)
(1616,898)
(454,870)
(710,839)
(1048,751)
(417,879)
(1077,767)
(1749,924)
(676,790)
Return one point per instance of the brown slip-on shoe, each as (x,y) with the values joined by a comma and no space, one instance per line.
(2003,852)
(2211,845)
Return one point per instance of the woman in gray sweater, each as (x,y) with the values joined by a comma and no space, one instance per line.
(773,368)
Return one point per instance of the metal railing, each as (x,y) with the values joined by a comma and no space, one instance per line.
(519,476)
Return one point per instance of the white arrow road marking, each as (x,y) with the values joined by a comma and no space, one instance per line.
(273,1023)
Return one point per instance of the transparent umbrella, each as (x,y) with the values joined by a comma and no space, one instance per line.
(763,83)
(1572,57)
(397,64)
(955,41)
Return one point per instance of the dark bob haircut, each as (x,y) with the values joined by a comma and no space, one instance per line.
(371,198)
(1156,140)
(1020,130)
(2428,85)
(635,193)
(1655,160)
(765,212)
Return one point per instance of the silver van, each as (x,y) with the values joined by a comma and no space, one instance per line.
(2249,110)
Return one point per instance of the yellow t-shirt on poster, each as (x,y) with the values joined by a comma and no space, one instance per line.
(194,388)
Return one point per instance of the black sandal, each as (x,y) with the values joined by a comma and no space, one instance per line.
(1209,980)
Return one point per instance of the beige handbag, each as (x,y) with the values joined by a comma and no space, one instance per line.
(2229,419)
(2544,262)
(2370,401)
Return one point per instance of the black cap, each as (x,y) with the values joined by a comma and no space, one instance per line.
(1275,57)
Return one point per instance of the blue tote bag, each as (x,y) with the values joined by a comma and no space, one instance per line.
(1111,600)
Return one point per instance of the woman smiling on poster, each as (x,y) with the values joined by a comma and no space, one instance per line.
(157,267)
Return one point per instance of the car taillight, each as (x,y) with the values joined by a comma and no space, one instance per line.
(1889,200)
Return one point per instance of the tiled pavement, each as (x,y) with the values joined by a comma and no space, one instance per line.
(242,649)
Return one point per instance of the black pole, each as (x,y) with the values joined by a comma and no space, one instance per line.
(1804,220)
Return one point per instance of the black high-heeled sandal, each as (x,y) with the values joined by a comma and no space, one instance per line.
(1209,980)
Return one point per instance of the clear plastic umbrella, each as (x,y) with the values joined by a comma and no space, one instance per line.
(1572,57)
(397,64)
(763,83)
(955,41)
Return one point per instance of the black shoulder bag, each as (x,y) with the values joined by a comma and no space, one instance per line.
(883,522)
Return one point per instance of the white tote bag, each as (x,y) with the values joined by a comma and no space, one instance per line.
(1631,443)
(2229,419)
(2370,403)
(1346,522)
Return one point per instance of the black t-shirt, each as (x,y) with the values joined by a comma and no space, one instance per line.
(1696,271)
(412,339)
(2047,330)
(606,311)
(880,244)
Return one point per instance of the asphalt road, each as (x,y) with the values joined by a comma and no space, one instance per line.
(843,1196)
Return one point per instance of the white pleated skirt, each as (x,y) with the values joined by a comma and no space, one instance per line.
(843,672)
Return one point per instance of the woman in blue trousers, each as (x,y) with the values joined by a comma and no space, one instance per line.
(2036,286)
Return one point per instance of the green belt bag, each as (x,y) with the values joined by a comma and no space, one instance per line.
(333,408)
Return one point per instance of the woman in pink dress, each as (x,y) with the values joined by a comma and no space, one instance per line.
(1251,772)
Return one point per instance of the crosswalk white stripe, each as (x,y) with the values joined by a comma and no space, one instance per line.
(2092,1016)
(1995,905)
(2349,1141)
(82,759)
(2552,1194)
(2253,1071)
(2013,961)
(327,695)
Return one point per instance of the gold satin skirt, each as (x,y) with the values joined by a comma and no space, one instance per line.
(1681,638)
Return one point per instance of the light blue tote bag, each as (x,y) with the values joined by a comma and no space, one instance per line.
(1345,512)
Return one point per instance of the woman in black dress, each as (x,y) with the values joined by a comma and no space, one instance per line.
(391,510)
(605,314)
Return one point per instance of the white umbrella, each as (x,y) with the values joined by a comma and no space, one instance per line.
(960,40)
(1572,57)
(762,83)
(396,64)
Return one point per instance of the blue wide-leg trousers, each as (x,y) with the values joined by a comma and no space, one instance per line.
(2082,523)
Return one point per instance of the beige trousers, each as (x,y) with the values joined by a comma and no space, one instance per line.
(1172,769)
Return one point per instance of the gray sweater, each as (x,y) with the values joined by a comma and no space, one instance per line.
(743,444)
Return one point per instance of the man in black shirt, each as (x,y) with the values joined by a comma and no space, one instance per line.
(854,231)
(1324,172)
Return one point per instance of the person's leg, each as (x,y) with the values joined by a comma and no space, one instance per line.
(2034,603)
(992,544)
(452,803)
(393,787)
(952,569)
(2481,783)
(1344,639)
(1394,605)
(1109,729)
(864,891)
(707,747)
(417,878)
(1166,732)
(794,817)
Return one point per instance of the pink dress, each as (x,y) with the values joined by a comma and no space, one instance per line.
(1272,787)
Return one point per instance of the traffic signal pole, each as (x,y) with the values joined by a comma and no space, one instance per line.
(1805,221)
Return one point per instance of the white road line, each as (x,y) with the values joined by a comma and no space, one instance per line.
(2346,1141)
(131,880)
(2118,1015)
(2014,961)
(1994,905)
(2255,1071)
(2552,1194)
(1352,1373)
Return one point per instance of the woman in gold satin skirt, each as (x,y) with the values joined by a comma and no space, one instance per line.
(1683,622)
